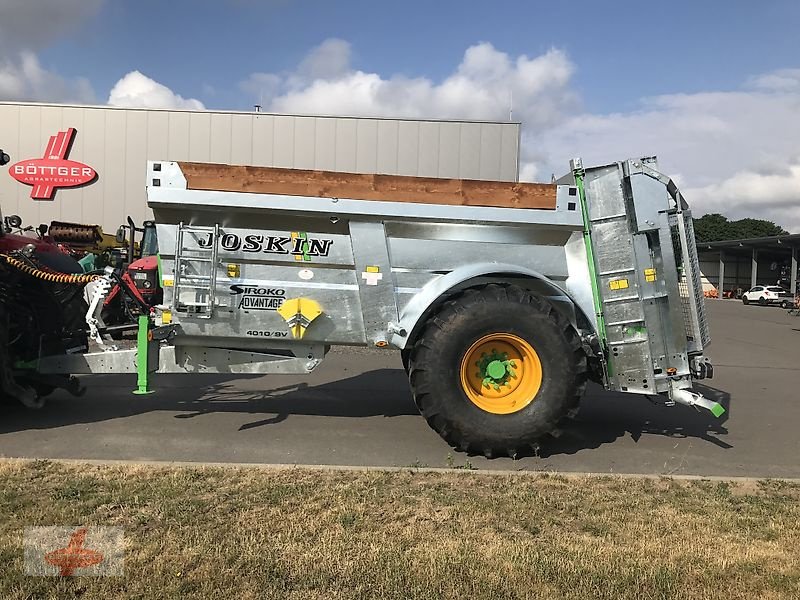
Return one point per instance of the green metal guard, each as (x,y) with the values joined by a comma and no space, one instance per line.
(579,173)
(142,356)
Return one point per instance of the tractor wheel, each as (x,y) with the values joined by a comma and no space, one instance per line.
(496,369)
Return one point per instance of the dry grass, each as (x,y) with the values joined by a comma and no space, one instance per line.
(244,533)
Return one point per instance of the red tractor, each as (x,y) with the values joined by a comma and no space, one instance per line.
(42,311)
(43,306)
(120,310)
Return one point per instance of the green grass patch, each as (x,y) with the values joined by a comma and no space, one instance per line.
(250,533)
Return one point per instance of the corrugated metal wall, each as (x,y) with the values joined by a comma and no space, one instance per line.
(118,142)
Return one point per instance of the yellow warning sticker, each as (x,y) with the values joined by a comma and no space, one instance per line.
(299,313)
(649,274)
(618,284)
(373,269)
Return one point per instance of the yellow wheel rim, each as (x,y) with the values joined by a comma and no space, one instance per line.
(501,373)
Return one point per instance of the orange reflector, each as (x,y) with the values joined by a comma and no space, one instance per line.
(672,371)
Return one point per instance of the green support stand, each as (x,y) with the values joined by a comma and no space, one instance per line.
(142,356)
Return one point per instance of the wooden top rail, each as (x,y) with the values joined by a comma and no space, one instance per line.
(390,188)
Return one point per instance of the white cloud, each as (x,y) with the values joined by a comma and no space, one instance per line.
(772,196)
(732,152)
(136,90)
(329,60)
(735,152)
(481,87)
(25,79)
(261,87)
(782,80)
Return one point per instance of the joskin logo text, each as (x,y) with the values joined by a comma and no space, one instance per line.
(258,298)
(297,244)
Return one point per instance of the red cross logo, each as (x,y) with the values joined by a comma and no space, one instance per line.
(53,170)
(74,555)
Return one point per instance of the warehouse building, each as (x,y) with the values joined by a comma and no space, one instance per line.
(732,265)
(87,164)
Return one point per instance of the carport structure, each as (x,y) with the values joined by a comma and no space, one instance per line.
(767,261)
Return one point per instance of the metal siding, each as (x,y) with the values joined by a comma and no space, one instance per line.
(158,142)
(10,191)
(449,143)
(113,210)
(118,142)
(283,145)
(345,155)
(303,143)
(65,211)
(469,162)
(92,139)
(387,147)
(135,149)
(242,139)
(367,146)
(178,148)
(263,140)
(509,154)
(428,150)
(31,144)
(325,145)
(407,147)
(220,139)
(490,149)
(199,137)
(157,134)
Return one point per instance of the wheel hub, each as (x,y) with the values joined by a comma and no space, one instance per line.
(501,373)
(495,369)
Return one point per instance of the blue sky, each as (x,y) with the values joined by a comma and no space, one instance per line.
(712,87)
(623,51)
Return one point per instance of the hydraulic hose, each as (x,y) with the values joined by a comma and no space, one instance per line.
(51,276)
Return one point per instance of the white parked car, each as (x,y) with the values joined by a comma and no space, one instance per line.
(768,294)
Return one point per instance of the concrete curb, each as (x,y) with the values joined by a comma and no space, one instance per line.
(371,469)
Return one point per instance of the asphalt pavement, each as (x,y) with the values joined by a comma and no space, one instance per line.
(356,409)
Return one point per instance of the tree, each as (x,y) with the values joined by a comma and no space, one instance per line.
(715,227)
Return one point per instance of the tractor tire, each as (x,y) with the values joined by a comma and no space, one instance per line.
(405,356)
(496,369)
(745,301)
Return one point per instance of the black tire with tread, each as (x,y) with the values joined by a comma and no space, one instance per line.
(745,301)
(434,363)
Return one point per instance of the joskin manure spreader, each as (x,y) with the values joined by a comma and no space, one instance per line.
(502,298)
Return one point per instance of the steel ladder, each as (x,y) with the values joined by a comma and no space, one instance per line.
(196,262)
